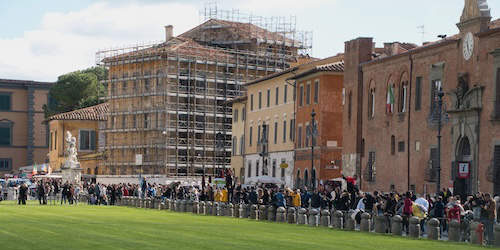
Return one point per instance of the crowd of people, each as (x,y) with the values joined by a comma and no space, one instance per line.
(444,205)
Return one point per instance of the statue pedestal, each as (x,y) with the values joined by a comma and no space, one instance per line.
(72,175)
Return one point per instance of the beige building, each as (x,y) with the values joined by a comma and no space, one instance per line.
(271,102)
(85,125)
(238,141)
(23,137)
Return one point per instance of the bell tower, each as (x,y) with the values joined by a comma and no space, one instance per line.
(476,16)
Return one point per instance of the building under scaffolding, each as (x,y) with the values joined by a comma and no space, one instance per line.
(167,99)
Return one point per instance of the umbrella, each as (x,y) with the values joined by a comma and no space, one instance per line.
(423,203)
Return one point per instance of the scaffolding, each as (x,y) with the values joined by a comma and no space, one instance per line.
(168,100)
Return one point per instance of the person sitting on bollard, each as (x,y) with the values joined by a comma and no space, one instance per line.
(296,201)
(407,212)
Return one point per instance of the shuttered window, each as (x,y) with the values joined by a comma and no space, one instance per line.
(418,93)
(87,140)
(5,101)
(370,171)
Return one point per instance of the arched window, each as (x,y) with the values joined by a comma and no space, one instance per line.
(249,169)
(274,168)
(390,100)
(371,100)
(403,94)
(298,181)
(306,177)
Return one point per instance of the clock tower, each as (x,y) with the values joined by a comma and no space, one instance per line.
(475,18)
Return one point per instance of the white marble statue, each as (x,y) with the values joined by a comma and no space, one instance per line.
(71,152)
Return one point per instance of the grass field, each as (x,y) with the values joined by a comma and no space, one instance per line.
(92,227)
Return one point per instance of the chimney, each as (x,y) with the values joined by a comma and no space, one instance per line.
(169,32)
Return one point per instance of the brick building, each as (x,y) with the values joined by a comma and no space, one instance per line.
(23,137)
(319,89)
(390,135)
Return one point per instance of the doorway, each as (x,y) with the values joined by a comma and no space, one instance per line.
(461,186)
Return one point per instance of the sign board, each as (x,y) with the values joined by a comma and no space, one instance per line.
(138,159)
(284,165)
(463,170)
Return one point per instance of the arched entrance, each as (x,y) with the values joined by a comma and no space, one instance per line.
(462,186)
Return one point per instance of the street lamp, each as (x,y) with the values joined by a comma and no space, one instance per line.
(312,131)
(439,117)
(264,150)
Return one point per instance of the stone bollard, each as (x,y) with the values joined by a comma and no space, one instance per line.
(291,217)
(414,227)
(184,204)
(230,210)
(201,207)
(313,217)
(218,209)
(154,203)
(475,234)
(271,213)
(149,203)
(337,220)
(262,212)
(325,218)
(454,231)
(302,218)
(397,225)
(496,231)
(254,212)
(281,215)
(380,224)
(433,229)
(236,210)
(243,211)
(350,223)
(222,209)
(196,207)
(189,206)
(136,202)
(208,208)
(366,223)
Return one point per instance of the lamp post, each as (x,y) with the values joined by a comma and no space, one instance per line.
(264,150)
(312,132)
(440,95)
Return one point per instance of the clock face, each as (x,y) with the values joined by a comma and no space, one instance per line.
(468,46)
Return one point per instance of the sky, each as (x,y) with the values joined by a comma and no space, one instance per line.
(42,39)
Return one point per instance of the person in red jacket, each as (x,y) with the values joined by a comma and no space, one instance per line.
(407,211)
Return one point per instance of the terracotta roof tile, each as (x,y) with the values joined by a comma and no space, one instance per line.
(335,67)
(93,113)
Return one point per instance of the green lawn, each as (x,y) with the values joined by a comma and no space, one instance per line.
(92,227)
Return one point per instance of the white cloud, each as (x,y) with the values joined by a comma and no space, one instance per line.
(66,42)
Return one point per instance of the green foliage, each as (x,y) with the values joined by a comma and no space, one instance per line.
(76,90)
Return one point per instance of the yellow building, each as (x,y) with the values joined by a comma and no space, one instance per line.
(85,125)
(238,141)
(23,137)
(271,102)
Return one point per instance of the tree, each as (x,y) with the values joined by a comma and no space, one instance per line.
(76,90)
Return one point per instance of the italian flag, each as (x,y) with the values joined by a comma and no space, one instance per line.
(390,100)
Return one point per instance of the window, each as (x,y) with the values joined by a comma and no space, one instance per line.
(401,146)
(390,99)
(307,135)
(134,121)
(284,131)
(249,168)
(402,97)
(5,101)
(349,107)
(371,104)
(418,93)
(235,141)
(308,94)
(243,114)
(275,132)
(250,136)
(268,99)
(295,91)
(299,141)
(285,93)
(258,135)
(87,140)
(435,87)
(55,140)
(274,168)
(306,177)
(277,95)
(497,102)
(343,96)
(5,164)
(301,96)
(282,170)
(251,102)
(292,129)
(147,84)
(242,145)
(124,121)
(147,121)
(235,115)
(370,171)
(5,133)
(257,168)
(316,91)
(260,100)
(393,145)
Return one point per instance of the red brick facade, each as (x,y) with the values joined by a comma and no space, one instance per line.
(328,109)
(392,150)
